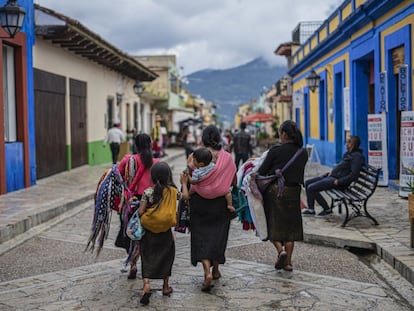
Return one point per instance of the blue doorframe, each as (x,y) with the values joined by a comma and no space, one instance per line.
(339,84)
(398,38)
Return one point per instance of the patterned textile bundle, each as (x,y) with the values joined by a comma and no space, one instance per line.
(109,195)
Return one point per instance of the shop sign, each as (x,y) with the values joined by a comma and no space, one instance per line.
(377,146)
(383,92)
(406,151)
(347,110)
(403,87)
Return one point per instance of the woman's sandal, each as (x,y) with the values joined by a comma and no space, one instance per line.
(207,286)
(216,276)
(168,292)
(281,259)
(145,298)
(288,268)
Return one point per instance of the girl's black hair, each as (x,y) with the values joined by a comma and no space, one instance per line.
(143,144)
(211,137)
(292,131)
(161,176)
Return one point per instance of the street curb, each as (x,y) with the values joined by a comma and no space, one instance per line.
(31,221)
(15,229)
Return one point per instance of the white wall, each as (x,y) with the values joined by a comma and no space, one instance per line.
(101,83)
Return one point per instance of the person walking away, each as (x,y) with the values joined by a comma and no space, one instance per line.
(135,170)
(241,145)
(202,161)
(188,141)
(209,216)
(282,210)
(158,214)
(341,176)
(114,137)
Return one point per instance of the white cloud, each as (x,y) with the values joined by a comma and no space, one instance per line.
(203,34)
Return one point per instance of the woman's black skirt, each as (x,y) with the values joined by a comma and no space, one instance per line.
(157,254)
(209,227)
(283,214)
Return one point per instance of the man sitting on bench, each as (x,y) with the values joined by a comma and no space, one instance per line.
(341,176)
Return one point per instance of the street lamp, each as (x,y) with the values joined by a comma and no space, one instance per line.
(138,88)
(11,17)
(313,80)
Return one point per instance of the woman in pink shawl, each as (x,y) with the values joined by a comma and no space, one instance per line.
(135,170)
(210,218)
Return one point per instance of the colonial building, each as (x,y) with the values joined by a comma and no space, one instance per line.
(353,75)
(82,85)
(17,152)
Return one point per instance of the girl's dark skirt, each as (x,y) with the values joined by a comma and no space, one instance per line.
(209,227)
(283,214)
(157,254)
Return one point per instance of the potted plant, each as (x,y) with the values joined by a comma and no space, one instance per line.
(410,185)
(411,206)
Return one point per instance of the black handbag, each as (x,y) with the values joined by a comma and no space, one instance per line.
(263,182)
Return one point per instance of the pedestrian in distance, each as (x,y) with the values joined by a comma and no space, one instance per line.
(209,216)
(188,141)
(282,206)
(135,171)
(241,145)
(158,214)
(114,137)
(341,176)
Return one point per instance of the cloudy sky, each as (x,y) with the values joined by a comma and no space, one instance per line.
(204,34)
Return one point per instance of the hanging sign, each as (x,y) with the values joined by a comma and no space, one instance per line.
(377,146)
(298,99)
(383,92)
(403,87)
(406,152)
(347,110)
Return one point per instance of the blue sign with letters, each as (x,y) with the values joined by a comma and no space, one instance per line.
(403,87)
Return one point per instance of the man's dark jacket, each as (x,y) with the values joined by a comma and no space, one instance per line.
(348,169)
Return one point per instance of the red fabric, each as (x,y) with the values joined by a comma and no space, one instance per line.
(142,179)
(217,183)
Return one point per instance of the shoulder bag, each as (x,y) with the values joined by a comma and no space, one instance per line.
(263,182)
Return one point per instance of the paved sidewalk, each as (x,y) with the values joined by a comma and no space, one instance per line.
(29,208)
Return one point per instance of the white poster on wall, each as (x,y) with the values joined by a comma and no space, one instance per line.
(298,99)
(347,110)
(406,152)
(377,145)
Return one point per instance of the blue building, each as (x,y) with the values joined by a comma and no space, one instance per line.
(361,60)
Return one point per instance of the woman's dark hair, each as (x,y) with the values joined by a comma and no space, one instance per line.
(143,144)
(203,155)
(211,137)
(292,131)
(161,176)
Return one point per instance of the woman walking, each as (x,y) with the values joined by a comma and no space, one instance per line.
(283,212)
(209,216)
(158,215)
(135,170)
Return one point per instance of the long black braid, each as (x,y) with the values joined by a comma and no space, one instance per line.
(161,176)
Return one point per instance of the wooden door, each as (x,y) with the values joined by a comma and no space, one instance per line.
(50,128)
(79,148)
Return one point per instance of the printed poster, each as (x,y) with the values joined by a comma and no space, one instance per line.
(377,146)
(406,151)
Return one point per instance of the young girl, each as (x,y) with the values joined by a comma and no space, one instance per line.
(158,215)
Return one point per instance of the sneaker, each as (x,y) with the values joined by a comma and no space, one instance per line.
(325,212)
(308,211)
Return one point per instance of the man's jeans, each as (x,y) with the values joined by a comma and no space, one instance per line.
(313,188)
(240,156)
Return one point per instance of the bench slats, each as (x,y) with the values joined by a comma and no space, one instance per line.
(357,194)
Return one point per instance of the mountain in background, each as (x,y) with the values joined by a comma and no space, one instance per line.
(229,88)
